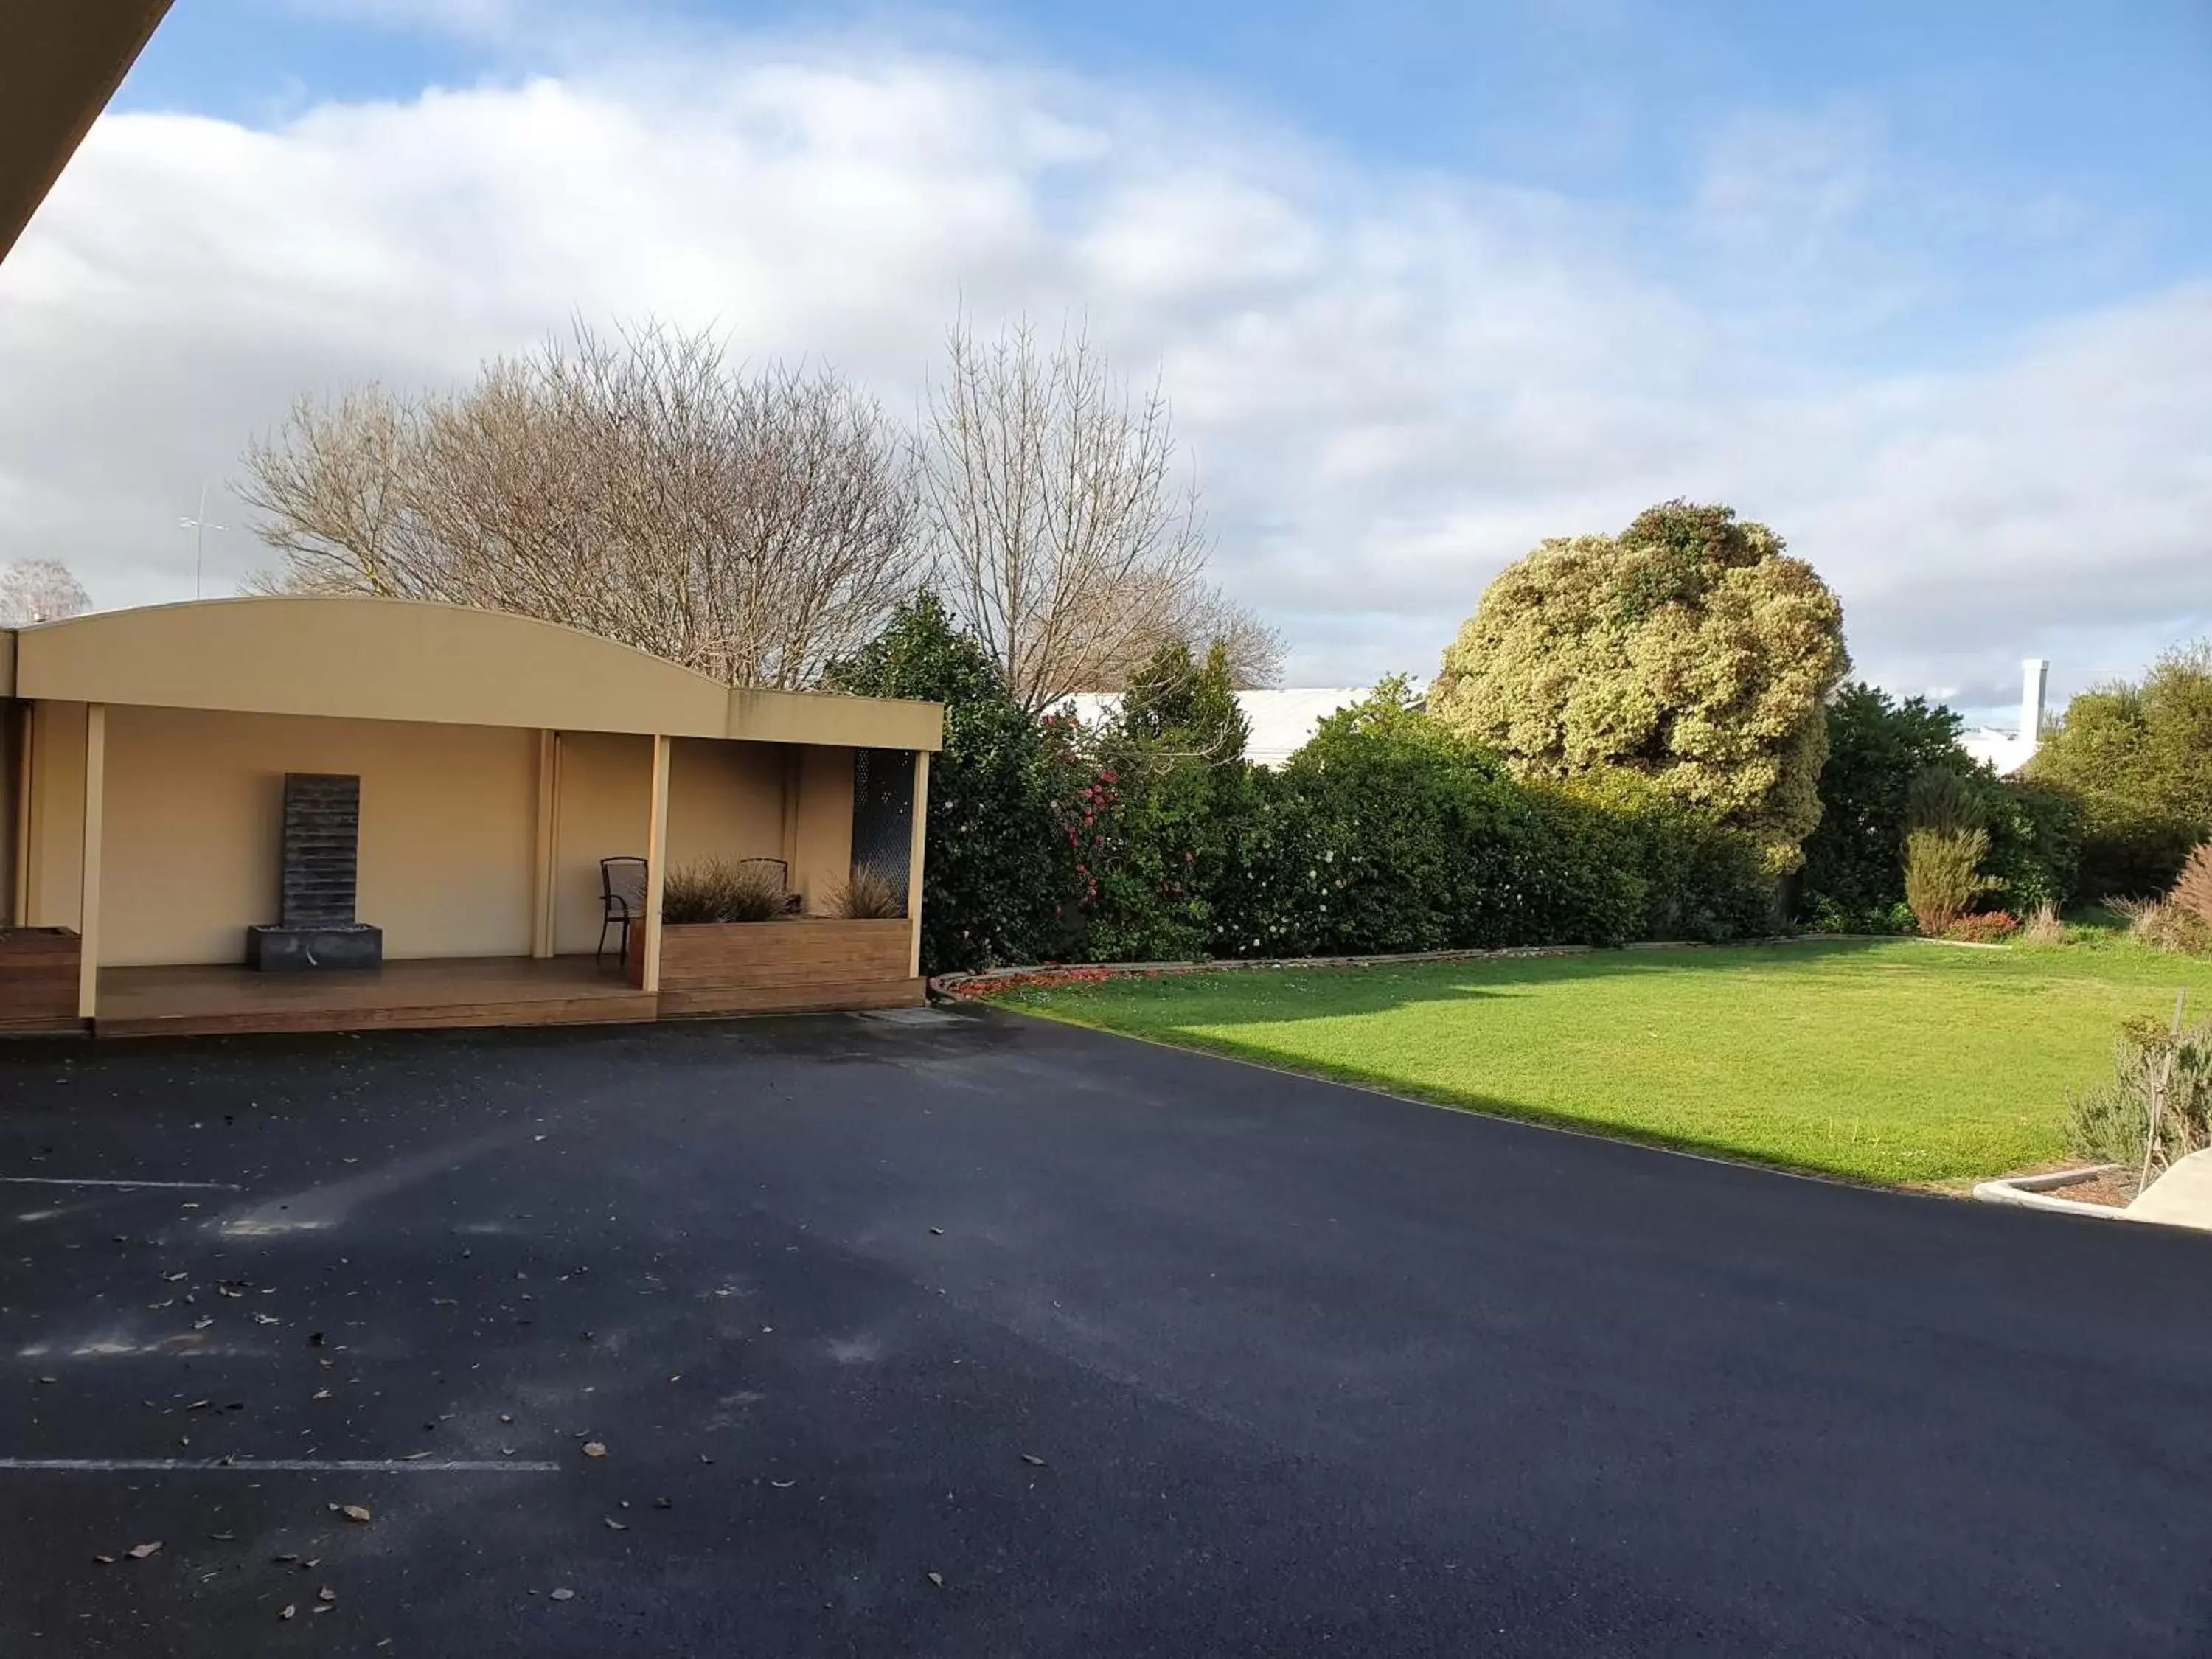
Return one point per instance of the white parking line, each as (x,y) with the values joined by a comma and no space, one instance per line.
(247,1465)
(90,1180)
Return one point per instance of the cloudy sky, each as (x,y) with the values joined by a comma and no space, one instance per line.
(1925,284)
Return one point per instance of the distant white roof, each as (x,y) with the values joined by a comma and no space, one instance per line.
(1281,721)
(2003,749)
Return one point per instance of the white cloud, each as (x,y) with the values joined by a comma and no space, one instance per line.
(1393,383)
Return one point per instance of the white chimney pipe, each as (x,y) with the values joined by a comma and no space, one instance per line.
(2034,677)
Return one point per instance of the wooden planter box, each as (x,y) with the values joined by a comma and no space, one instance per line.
(38,980)
(760,967)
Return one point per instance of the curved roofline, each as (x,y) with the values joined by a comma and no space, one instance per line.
(370,656)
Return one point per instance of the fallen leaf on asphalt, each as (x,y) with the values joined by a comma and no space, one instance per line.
(594,1448)
(49,1379)
(939,1232)
(322,1394)
(354,1511)
(783,1485)
(140,1552)
(1032,1459)
(223,1537)
(203,1322)
(664,1502)
(564,1595)
(505,1417)
(266,1319)
(416,1457)
(614,1525)
(105,1560)
(938,1579)
(175,1278)
(326,1594)
(288,1612)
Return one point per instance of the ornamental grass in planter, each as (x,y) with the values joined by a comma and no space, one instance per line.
(724,889)
(867,895)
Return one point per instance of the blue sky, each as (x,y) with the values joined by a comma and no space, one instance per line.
(2042,155)
(1929,285)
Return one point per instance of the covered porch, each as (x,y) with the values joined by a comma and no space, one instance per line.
(490,764)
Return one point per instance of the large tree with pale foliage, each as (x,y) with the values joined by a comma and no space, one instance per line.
(1689,648)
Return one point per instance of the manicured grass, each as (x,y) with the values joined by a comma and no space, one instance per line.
(1901,1063)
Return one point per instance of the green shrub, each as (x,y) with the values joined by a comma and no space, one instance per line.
(1942,875)
(1152,825)
(998,873)
(1854,876)
(2129,849)
(2111,1123)
(1388,832)
(2035,842)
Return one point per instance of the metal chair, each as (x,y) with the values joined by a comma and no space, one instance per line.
(791,901)
(622,900)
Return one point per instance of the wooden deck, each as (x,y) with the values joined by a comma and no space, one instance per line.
(455,992)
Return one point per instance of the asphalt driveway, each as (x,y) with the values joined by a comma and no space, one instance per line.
(981,1336)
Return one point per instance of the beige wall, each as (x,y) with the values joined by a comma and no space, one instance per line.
(190,844)
(724,800)
(825,824)
(448,825)
(56,852)
(606,784)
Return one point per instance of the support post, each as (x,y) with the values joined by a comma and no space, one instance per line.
(919,833)
(792,758)
(26,821)
(547,854)
(95,802)
(656,868)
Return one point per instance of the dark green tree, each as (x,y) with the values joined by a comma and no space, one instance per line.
(1854,879)
(998,874)
(1170,790)
(1175,704)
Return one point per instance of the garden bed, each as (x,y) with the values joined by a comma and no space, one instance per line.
(805,963)
(38,979)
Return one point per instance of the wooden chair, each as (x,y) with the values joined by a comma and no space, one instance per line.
(622,900)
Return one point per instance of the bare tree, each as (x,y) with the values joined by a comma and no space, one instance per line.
(1058,531)
(40,591)
(752,526)
(1208,616)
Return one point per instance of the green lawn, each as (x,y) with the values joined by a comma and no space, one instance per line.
(1899,1062)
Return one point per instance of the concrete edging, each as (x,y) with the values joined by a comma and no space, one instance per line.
(2034,1192)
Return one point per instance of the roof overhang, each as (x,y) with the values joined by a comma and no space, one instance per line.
(407,659)
(60,62)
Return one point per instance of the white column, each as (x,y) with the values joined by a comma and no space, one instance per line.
(95,804)
(2035,679)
